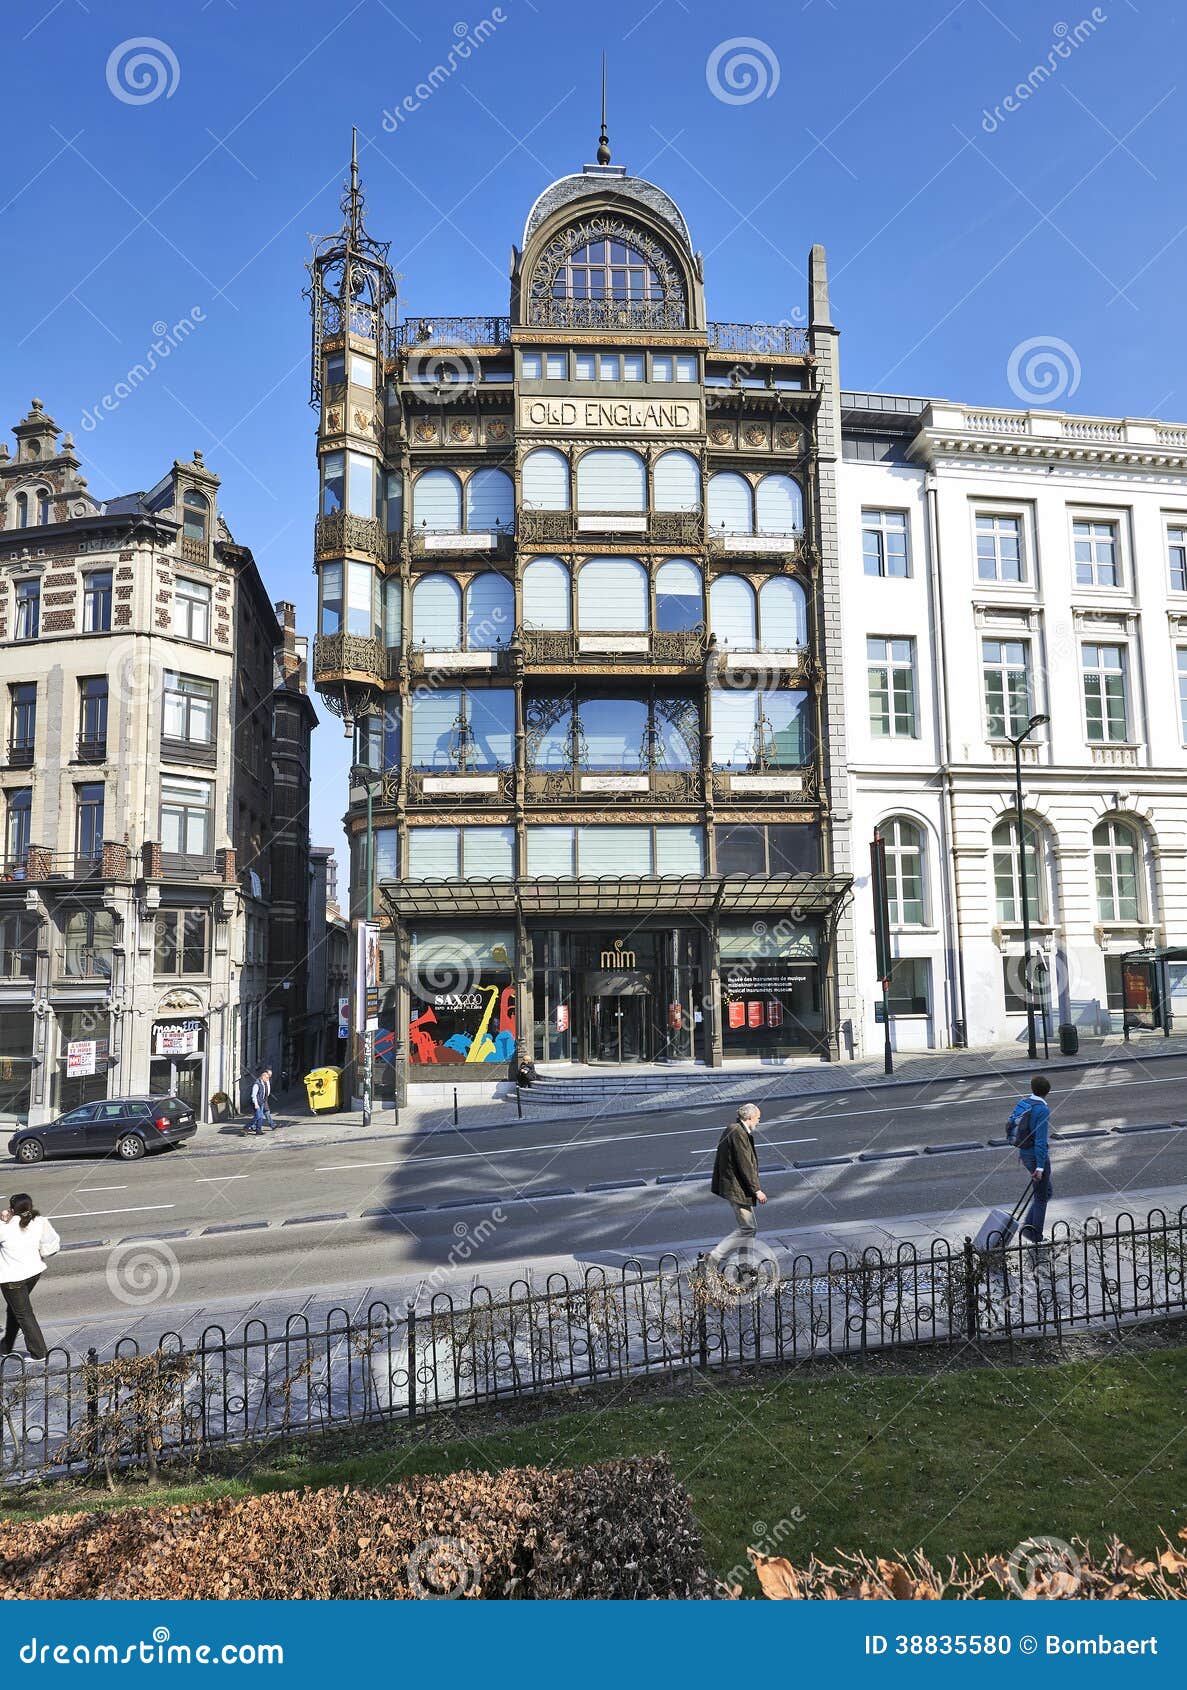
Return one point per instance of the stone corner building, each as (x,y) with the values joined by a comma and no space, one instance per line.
(140,665)
(578,596)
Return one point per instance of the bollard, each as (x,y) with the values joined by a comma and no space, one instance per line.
(519,1102)
(455,1120)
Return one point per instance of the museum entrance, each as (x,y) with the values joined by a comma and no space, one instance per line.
(617,997)
(619,1028)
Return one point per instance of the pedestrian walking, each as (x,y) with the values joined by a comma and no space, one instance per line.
(26,1240)
(735,1176)
(261,1103)
(1028,1131)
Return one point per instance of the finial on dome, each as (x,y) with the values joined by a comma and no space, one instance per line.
(603,138)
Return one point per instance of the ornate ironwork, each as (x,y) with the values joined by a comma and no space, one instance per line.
(672,308)
(676,528)
(792,550)
(420,542)
(624,314)
(348,654)
(462,794)
(351,284)
(546,527)
(451,331)
(194,551)
(682,648)
(758,338)
(341,531)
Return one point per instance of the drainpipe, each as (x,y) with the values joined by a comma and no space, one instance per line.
(953,938)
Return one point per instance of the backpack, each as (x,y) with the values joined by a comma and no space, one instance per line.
(1019,1131)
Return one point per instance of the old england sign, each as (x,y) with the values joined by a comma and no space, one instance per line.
(612,416)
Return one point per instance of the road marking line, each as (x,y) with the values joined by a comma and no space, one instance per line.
(83,1188)
(90,1214)
(218,1179)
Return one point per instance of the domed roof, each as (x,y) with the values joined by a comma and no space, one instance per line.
(608,181)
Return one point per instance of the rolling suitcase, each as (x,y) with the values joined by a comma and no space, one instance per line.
(1000,1225)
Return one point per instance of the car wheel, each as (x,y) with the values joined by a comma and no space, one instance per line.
(130,1147)
(30,1150)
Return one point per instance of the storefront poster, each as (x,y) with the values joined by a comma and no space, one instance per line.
(176,1038)
(81,1058)
(367,976)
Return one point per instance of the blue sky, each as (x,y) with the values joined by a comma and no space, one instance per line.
(958,229)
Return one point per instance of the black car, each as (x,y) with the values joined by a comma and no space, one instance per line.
(127,1127)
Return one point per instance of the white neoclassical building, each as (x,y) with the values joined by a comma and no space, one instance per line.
(996,565)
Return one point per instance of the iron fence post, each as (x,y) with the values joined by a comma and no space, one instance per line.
(92,1394)
(412,1361)
(702,1315)
(970,1291)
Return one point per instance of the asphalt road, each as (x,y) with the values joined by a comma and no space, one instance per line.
(233,1222)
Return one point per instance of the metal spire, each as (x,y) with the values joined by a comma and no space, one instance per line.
(352,205)
(603,138)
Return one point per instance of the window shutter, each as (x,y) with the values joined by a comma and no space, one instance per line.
(490,502)
(731,612)
(488,853)
(679,850)
(433,716)
(734,714)
(609,479)
(612,593)
(730,509)
(780,505)
(437,501)
(490,612)
(677,482)
(550,851)
(546,480)
(613,850)
(437,613)
(783,612)
(678,601)
(546,602)
(433,853)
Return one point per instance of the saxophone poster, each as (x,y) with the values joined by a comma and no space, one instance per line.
(464,1011)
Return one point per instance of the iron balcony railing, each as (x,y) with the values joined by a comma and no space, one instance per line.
(757,339)
(341,532)
(348,654)
(114,861)
(661,528)
(454,543)
(634,648)
(131,1407)
(752,339)
(454,333)
(672,786)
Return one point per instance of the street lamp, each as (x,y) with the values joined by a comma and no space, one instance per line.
(1016,740)
(362,775)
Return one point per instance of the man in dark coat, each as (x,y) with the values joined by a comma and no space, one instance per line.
(735,1173)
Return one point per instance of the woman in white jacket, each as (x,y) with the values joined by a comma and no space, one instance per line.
(26,1239)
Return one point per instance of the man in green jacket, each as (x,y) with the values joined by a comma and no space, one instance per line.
(735,1174)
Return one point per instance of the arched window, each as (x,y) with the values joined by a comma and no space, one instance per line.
(22,510)
(1007,894)
(546,594)
(437,613)
(43,505)
(490,612)
(731,503)
(780,505)
(437,502)
(731,612)
(611,479)
(612,593)
(1116,856)
(195,514)
(545,480)
(783,615)
(679,604)
(607,269)
(677,482)
(490,502)
(906,876)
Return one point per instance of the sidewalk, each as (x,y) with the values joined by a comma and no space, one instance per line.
(689,1088)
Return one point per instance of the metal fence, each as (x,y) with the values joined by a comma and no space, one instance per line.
(137,1408)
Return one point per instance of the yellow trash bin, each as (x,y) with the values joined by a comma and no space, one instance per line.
(323,1088)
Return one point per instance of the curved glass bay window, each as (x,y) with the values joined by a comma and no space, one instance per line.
(446,618)
(755,731)
(463,730)
(349,600)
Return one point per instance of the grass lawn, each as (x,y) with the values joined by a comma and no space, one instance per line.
(954,1462)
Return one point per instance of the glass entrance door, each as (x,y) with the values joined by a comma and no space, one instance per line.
(619,1028)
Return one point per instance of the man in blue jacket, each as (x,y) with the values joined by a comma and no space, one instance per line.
(1028,1132)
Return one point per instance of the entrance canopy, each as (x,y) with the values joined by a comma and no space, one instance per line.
(795,895)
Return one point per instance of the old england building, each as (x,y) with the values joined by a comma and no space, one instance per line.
(145,939)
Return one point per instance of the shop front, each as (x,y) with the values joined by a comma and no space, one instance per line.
(616,997)
(84,1058)
(772,1000)
(178,1060)
(16,1063)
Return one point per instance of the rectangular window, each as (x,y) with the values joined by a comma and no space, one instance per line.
(28,610)
(470,732)
(361,487)
(1176,551)
(360,601)
(556,366)
(999,547)
(182,941)
(686,367)
(1106,705)
(92,716)
(634,366)
(331,597)
(362,370)
(88,825)
(551,852)
(434,853)
(587,366)
(884,543)
(96,602)
(188,712)
(22,720)
(335,372)
(187,817)
(890,668)
(661,368)
(1005,666)
(333,483)
(1098,553)
(531,366)
(608,366)
(910,986)
(1181,661)
(191,610)
(753,731)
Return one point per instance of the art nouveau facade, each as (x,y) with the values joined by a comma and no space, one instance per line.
(997,564)
(578,597)
(138,677)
